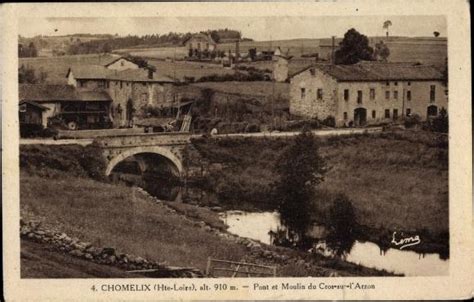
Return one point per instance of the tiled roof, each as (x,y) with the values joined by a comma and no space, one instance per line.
(42,92)
(96,72)
(91,72)
(34,104)
(55,93)
(138,75)
(377,71)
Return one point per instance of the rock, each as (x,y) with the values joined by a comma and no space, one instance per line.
(41,233)
(207,228)
(108,251)
(217,209)
(112,259)
(88,256)
(76,253)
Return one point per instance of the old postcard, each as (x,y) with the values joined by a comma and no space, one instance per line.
(190,151)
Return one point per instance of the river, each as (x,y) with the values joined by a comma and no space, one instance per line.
(257,225)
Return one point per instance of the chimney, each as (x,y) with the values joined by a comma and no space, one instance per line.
(150,74)
(333,46)
(237,50)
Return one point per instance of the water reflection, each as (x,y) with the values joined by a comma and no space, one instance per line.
(266,228)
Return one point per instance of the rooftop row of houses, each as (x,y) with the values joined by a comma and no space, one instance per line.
(109,95)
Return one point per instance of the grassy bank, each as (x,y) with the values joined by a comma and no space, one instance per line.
(396,180)
(111,215)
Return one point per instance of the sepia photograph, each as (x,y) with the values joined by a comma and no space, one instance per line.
(209,154)
(233,147)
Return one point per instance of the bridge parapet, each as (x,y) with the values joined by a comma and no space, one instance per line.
(144,139)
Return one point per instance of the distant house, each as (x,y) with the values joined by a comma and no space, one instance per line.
(199,43)
(280,67)
(367,92)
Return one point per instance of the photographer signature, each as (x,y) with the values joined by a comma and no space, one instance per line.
(405,242)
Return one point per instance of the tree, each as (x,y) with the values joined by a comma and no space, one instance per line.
(300,169)
(386,26)
(342,221)
(436,33)
(27,75)
(353,48)
(382,52)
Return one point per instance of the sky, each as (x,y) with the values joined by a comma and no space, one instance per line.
(257,28)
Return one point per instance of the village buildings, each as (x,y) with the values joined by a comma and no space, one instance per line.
(97,96)
(368,92)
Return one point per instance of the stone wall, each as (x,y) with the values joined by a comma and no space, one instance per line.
(304,99)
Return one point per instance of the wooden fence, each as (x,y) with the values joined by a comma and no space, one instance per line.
(224,268)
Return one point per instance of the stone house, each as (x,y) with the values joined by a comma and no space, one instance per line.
(368,92)
(131,90)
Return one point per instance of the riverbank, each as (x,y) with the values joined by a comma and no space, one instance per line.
(396,181)
(130,221)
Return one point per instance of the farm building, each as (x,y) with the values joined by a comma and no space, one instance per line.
(131,90)
(368,92)
(31,112)
(199,43)
(121,63)
(87,109)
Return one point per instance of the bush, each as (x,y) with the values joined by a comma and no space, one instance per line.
(30,130)
(412,121)
(329,121)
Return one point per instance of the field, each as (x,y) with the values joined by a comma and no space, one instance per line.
(181,69)
(256,88)
(396,181)
(57,67)
(427,50)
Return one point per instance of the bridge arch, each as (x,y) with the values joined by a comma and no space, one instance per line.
(165,152)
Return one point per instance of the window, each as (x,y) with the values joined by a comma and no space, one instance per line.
(345,115)
(107,84)
(346,94)
(303,93)
(81,83)
(319,94)
(409,83)
(359,96)
(395,114)
(395,95)
(387,83)
(101,84)
(408,111)
(121,84)
(396,83)
(372,93)
(122,63)
(373,114)
(387,113)
(387,95)
(312,71)
(446,92)
(144,97)
(432,93)
(408,95)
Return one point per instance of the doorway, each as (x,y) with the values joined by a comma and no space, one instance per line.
(360,117)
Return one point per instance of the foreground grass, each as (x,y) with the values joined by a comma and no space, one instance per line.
(120,217)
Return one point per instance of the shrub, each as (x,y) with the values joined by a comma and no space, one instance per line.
(30,130)
(412,121)
(329,121)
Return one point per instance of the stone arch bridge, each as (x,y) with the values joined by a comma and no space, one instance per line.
(168,146)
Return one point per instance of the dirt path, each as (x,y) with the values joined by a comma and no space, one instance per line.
(40,261)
